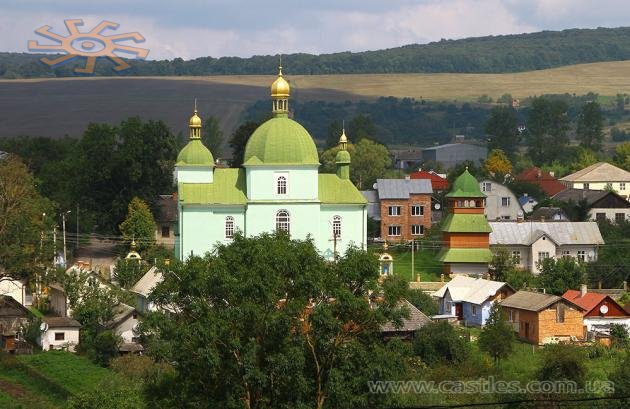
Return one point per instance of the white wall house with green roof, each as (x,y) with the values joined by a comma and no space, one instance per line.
(278,188)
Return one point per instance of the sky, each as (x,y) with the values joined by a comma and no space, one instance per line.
(196,28)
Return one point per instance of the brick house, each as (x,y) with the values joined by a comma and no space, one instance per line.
(543,318)
(405,208)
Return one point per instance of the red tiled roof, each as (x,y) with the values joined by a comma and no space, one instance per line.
(588,301)
(437,182)
(549,184)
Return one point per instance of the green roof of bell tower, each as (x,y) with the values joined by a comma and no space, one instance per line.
(465,186)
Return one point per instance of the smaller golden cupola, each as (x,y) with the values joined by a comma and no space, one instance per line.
(194,125)
(280,93)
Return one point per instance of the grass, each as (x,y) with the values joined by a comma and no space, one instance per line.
(74,102)
(46,380)
(425,263)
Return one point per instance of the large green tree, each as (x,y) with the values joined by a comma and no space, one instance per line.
(22,220)
(139,225)
(212,136)
(590,126)
(547,127)
(266,322)
(497,336)
(558,275)
(369,161)
(239,139)
(502,129)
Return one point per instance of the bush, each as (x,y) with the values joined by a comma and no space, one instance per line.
(439,342)
(423,301)
(111,393)
(562,362)
(619,336)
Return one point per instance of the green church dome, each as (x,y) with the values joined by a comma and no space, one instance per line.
(342,157)
(281,141)
(195,154)
(465,186)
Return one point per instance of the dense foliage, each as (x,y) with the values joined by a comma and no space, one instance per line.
(504,53)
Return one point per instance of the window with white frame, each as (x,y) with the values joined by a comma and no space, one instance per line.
(566,253)
(505,201)
(394,210)
(229,227)
(486,187)
(336,226)
(417,230)
(510,315)
(581,255)
(282,181)
(622,185)
(283,221)
(474,309)
(417,210)
(393,230)
(543,255)
(620,217)
(516,256)
(586,186)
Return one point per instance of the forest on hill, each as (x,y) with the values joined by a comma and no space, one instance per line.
(491,54)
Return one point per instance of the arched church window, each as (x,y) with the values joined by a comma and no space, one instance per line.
(229,227)
(336,226)
(281,185)
(283,221)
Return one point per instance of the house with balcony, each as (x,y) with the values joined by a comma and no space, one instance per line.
(530,242)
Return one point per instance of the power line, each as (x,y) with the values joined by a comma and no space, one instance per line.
(512,402)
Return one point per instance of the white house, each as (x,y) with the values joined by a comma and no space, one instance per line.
(501,203)
(470,299)
(600,176)
(602,204)
(143,288)
(16,289)
(59,333)
(125,325)
(531,242)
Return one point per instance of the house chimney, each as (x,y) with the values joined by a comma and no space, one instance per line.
(583,289)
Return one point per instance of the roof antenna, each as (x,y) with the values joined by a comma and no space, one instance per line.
(280,65)
(195,105)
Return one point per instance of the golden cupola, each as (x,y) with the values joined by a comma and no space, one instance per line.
(194,126)
(280,92)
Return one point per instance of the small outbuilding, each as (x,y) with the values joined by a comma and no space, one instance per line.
(59,333)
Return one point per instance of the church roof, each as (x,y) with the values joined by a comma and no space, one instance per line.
(465,255)
(195,154)
(280,141)
(333,189)
(465,186)
(228,188)
(466,223)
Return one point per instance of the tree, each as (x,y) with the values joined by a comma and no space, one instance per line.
(128,272)
(547,126)
(212,136)
(622,155)
(239,139)
(619,336)
(562,362)
(498,165)
(439,342)
(559,275)
(333,134)
(369,161)
(362,126)
(502,129)
(497,336)
(139,225)
(590,126)
(503,263)
(245,320)
(585,157)
(423,301)
(22,220)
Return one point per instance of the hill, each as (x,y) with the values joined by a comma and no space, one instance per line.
(46,380)
(58,107)
(491,54)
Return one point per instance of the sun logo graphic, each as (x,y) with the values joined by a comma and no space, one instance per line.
(90,45)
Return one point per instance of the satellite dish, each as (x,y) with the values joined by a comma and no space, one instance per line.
(603,309)
(375,186)
(43,327)
(591,254)
(437,206)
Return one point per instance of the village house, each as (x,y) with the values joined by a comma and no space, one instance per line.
(531,242)
(527,202)
(59,333)
(125,325)
(543,318)
(602,204)
(405,208)
(452,154)
(166,220)
(541,178)
(439,182)
(600,176)
(417,319)
(13,318)
(470,299)
(501,203)
(143,287)
(600,311)
(545,213)
(17,289)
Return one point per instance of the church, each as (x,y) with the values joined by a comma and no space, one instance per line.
(279,187)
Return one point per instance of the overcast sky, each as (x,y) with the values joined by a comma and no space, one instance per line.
(194,28)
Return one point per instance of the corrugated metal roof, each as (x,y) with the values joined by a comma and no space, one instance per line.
(333,189)
(402,188)
(465,255)
(469,289)
(147,282)
(599,172)
(228,187)
(561,232)
(528,300)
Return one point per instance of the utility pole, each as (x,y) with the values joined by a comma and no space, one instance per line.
(413,264)
(76,244)
(65,255)
(54,245)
